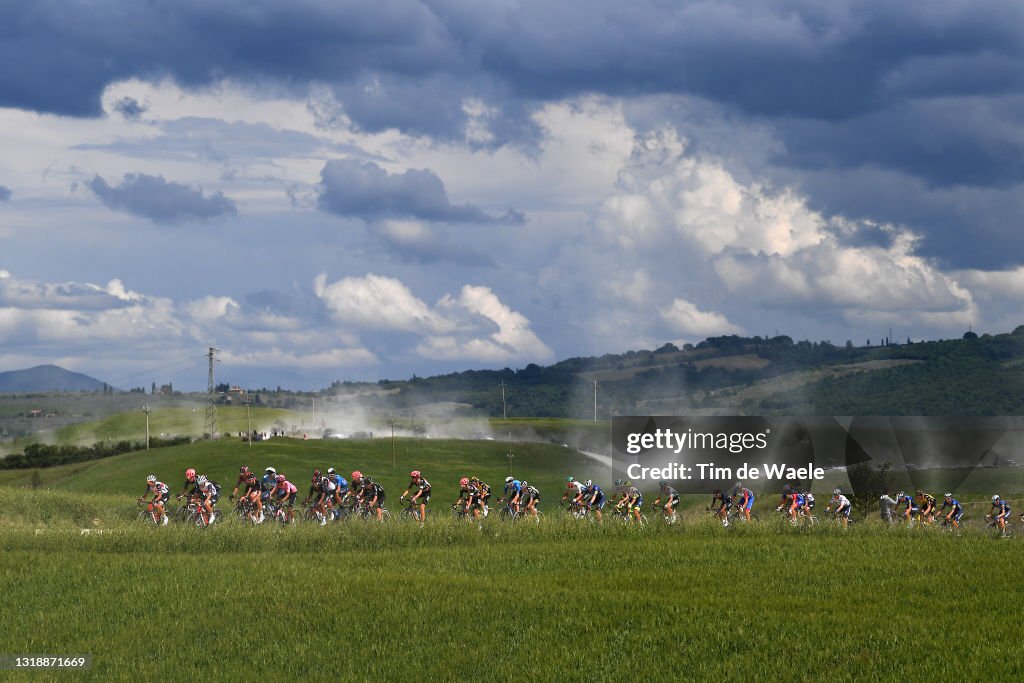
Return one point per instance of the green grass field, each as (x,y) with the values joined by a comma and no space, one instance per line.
(452,601)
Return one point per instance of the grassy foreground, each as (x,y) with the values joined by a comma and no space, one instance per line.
(523,601)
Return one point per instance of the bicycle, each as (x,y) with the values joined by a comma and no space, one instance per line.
(736,515)
(674,518)
(508,513)
(410,511)
(992,523)
(576,510)
(627,516)
(147,514)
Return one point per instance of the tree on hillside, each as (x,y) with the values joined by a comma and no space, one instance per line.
(867,486)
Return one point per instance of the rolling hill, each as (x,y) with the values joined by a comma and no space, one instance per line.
(47,378)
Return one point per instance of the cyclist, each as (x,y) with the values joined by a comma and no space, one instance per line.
(573,491)
(267,482)
(724,505)
(285,493)
(422,495)
(632,501)
(243,477)
(210,493)
(465,494)
(340,488)
(745,499)
(926,503)
(1002,509)
(254,494)
(955,512)
(530,497)
(593,497)
(161,494)
(373,493)
(671,501)
(321,492)
(911,510)
(808,502)
(190,488)
(484,493)
(513,491)
(843,507)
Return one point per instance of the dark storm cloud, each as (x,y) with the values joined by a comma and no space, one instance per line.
(159,200)
(933,93)
(129,108)
(5,194)
(357,189)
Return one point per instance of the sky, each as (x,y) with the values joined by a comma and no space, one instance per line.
(330,190)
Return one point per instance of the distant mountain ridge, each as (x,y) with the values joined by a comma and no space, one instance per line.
(43,378)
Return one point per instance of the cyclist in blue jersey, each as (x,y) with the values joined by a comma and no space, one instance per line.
(955,512)
(593,497)
(1002,512)
(513,493)
(340,489)
(911,510)
(744,498)
(267,482)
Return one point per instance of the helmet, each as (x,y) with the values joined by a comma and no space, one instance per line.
(628,484)
(330,470)
(949,495)
(357,475)
(190,474)
(900,494)
(280,479)
(509,480)
(837,492)
(244,470)
(151,478)
(202,480)
(787,488)
(316,474)
(995,497)
(524,483)
(587,484)
(474,478)
(662,483)
(270,470)
(618,482)
(415,474)
(464,482)
(569,480)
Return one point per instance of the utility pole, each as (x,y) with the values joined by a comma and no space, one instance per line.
(504,411)
(210,426)
(595,400)
(146,410)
